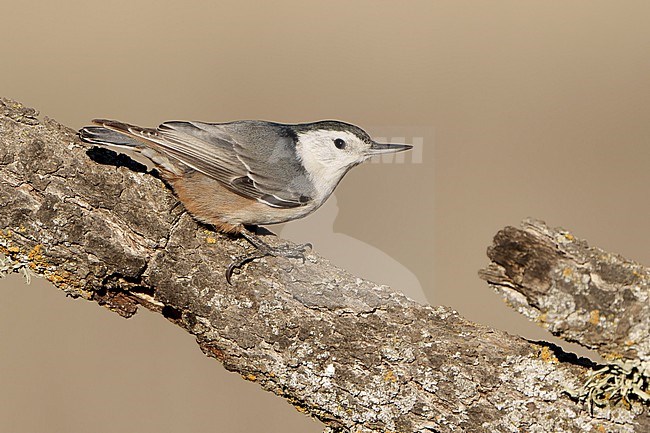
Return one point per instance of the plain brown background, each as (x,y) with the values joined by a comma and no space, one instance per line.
(524,109)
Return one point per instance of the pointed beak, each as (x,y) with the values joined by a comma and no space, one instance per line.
(379,148)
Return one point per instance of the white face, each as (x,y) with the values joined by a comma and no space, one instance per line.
(333,148)
(327,155)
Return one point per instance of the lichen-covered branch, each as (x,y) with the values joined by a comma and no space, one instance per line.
(579,293)
(356,355)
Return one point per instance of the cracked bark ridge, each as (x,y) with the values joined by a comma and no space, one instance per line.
(579,293)
(357,355)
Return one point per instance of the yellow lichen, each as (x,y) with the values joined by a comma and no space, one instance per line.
(250,376)
(300,408)
(57,278)
(594,317)
(390,376)
(210,240)
(569,236)
(547,355)
(567,272)
(35,253)
(37,258)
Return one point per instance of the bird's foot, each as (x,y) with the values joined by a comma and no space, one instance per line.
(264,250)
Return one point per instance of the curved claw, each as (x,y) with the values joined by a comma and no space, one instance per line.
(241,262)
(231,268)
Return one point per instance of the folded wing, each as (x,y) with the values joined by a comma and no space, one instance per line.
(252,158)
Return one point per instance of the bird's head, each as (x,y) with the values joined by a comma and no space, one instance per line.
(328,149)
(338,145)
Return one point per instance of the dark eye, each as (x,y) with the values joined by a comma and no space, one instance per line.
(340,143)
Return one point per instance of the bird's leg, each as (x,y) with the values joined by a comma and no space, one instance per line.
(263,250)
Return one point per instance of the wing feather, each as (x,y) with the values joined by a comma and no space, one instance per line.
(252,158)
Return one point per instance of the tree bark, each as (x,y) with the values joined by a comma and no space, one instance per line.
(356,355)
(579,293)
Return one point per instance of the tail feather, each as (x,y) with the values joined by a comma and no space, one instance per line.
(101,135)
(142,140)
(116,133)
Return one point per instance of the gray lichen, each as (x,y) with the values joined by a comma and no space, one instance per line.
(620,382)
(17,263)
(8,266)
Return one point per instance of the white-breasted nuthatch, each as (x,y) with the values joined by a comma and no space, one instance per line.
(247,172)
